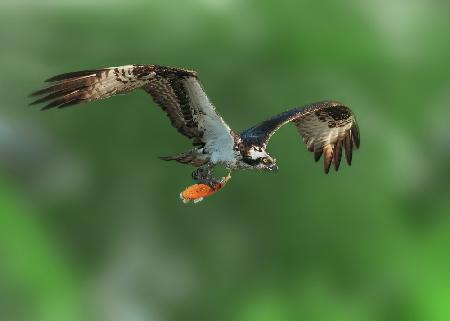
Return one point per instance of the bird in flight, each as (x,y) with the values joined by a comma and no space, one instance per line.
(327,127)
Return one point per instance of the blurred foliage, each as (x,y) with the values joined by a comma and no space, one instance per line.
(91,227)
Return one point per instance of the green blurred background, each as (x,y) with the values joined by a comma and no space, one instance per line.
(91,227)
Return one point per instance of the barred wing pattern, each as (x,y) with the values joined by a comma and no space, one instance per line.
(326,127)
(177,91)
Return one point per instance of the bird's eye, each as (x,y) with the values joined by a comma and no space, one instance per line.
(265,160)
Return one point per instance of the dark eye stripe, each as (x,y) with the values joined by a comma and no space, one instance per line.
(251,162)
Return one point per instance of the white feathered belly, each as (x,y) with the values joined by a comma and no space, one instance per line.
(222,151)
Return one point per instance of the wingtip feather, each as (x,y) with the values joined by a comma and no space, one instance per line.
(328,157)
(74,74)
(337,155)
(355,135)
(348,146)
(318,154)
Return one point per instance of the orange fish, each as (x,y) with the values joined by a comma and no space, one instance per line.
(197,192)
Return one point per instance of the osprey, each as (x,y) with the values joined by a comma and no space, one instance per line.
(326,126)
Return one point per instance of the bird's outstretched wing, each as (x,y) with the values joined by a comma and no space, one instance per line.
(177,91)
(325,126)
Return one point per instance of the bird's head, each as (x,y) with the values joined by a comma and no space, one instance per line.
(257,158)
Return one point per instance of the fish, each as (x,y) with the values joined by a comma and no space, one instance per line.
(197,192)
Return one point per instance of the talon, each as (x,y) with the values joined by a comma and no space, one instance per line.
(211,181)
(201,173)
(204,175)
(226,178)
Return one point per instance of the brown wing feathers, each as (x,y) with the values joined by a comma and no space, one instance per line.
(333,152)
(65,90)
(164,84)
(326,128)
(170,94)
(76,87)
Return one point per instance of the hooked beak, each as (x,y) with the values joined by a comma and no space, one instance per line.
(273,168)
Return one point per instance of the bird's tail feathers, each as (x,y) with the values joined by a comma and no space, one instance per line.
(191,158)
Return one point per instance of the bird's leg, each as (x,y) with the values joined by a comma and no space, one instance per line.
(201,173)
(205,175)
(225,179)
